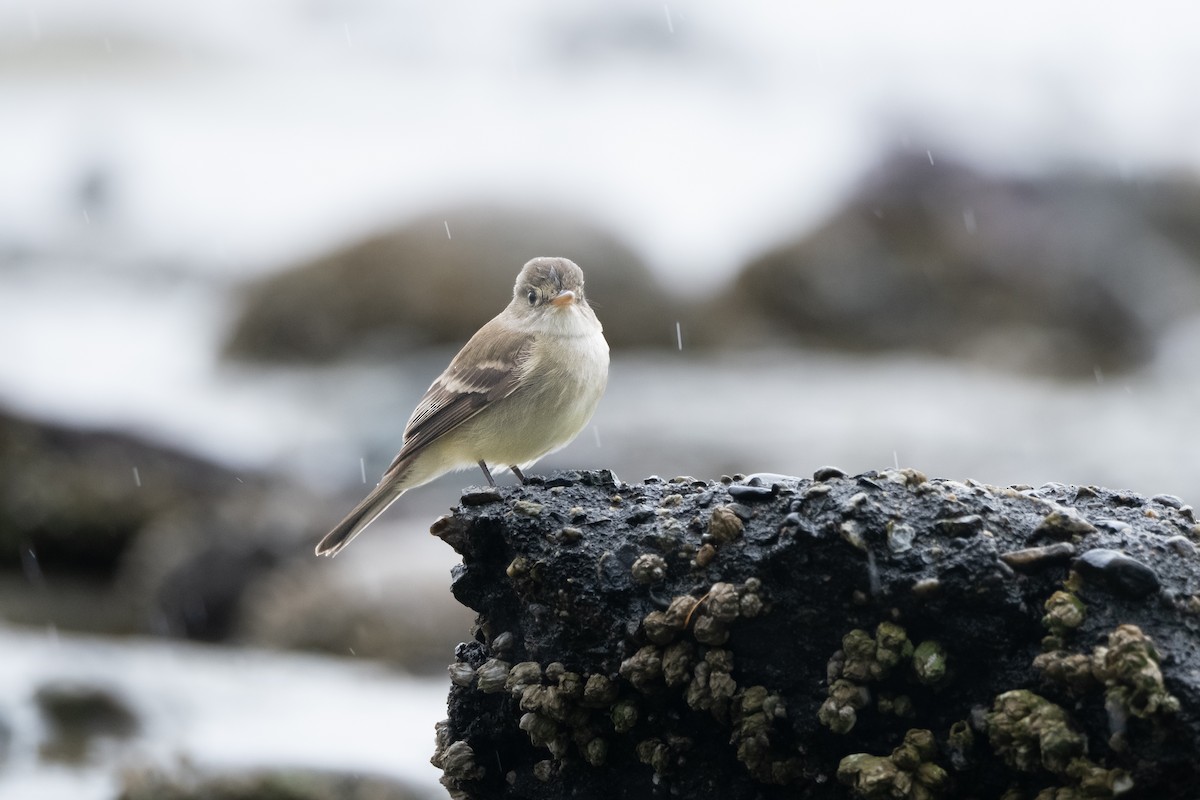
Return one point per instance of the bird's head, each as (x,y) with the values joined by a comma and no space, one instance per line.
(549,286)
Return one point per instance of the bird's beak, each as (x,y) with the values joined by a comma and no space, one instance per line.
(563,298)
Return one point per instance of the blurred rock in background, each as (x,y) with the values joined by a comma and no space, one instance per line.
(108,533)
(1061,274)
(435,280)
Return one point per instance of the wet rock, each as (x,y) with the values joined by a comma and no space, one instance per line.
(984,658)
(412,286)
(73,501)
(139,537)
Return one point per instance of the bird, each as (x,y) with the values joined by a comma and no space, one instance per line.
(523,386)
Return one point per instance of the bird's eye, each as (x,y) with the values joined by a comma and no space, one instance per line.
(532,297)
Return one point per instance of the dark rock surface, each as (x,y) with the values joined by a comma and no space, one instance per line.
(414,286)
(1058,274)
(880,635)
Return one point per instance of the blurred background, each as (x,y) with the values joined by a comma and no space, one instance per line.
(238,241)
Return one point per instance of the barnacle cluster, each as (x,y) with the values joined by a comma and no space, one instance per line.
(1064,613)
(1030,733)
(568,712)
(865,659)
(909,772)
(685,654)
(560,708)
(1128,669)
(755,710)
(455,759)
(1028,730)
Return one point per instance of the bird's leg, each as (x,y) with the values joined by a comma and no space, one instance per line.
(486,473)
(516,471)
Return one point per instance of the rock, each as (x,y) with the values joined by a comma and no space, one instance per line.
(135,537)
(72,500)
(970,674)
(1062,275)
(412,286)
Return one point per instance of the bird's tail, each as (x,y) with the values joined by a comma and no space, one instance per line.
(374,504)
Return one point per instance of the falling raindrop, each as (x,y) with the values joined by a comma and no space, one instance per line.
(596,434)
(31,568)
(969,220)
(447,224)
(679,336)
(362,467)
(930,154)
(670,25)
(137,478)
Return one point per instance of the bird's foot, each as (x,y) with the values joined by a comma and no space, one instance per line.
(487,473)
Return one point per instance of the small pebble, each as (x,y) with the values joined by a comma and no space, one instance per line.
(828,473)
(1168,500)
(900,537)
(1182,545)
(1064,523)
(560,479)
(967,525)
(527,508)
(772,479)
(481,496)
(926,587)
(639,514)
(751,494)
(1121,573)
(1033,557)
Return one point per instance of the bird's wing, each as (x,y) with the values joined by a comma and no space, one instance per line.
(487,369)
